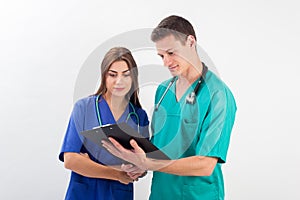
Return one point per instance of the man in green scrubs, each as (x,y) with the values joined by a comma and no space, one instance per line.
(194,133)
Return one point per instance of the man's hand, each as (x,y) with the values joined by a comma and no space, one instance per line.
(135,156)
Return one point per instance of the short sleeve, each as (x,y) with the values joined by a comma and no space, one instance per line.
(144,123)
(217,126)
(73,141)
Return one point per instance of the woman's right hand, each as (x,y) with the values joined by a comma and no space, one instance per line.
(124,178)
(133,171)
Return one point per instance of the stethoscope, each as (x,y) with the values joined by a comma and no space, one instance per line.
(127,118)
(190,98)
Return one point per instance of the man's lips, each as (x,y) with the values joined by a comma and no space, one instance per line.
(173,67)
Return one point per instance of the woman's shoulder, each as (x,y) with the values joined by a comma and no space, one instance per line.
(142,114)
(84,102)
(139,110)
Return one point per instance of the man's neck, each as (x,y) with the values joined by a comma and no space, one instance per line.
(192,74)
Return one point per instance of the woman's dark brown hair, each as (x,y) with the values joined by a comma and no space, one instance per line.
(120,54)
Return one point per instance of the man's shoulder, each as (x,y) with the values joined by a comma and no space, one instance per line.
(214,82)
(164,84)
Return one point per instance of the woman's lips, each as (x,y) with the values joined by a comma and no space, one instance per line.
(119,89)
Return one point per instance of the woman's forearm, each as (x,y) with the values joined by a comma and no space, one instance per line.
(86,167)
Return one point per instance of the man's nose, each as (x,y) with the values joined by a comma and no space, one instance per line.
(167,60)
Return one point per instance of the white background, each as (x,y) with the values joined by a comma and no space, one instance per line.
(254,45)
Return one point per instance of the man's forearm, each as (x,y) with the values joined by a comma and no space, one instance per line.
(190,166)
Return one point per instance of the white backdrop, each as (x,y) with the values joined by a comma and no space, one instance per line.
(254,45)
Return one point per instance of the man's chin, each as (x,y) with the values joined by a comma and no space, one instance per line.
(174,73)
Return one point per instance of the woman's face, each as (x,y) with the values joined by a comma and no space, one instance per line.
(118,79)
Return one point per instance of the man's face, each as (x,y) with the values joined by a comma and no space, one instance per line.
(174,55)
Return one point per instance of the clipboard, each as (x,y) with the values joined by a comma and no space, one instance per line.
(123,133)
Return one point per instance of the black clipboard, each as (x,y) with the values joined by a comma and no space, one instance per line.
(123,133)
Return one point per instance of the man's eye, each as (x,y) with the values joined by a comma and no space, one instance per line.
(170,53)
(161,56)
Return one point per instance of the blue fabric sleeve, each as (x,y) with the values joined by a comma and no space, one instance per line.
(144,123)
(73,141)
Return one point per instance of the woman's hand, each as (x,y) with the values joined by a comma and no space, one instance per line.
(124,178)
(86,155)
(133,171)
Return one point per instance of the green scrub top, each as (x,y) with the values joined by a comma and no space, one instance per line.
(182,130)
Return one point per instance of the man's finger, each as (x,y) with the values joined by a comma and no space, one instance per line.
(126,167)
(117,144)
(136,147)
(129,168)
(111,148)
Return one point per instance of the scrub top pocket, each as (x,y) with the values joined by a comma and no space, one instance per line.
(190,136)
(180,133)
(121,192)
(78,191)
(201,191)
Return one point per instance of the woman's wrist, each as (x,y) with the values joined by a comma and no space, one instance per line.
(143,174)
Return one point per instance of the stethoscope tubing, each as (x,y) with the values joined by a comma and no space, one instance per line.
(190,99)
(127,118)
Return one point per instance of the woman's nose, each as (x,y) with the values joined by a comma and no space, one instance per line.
(119,79)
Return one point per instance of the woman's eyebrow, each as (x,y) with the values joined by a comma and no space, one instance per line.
(117,72)
(126,71)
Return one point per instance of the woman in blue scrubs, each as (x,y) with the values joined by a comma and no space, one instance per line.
(95,172)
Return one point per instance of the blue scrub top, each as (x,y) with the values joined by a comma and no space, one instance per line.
(84,117)
(183,130)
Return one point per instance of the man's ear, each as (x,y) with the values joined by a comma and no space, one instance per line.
(191,41)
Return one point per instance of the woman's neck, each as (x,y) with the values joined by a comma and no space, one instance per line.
(115,103)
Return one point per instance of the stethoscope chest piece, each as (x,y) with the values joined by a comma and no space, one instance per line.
(190,99)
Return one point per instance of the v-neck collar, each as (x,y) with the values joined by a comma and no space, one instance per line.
(107,115)
(187,91)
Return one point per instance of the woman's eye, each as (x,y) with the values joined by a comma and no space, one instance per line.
(127,74)
(112,75)
(170,53)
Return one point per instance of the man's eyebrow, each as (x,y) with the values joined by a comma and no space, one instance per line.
(170,49)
